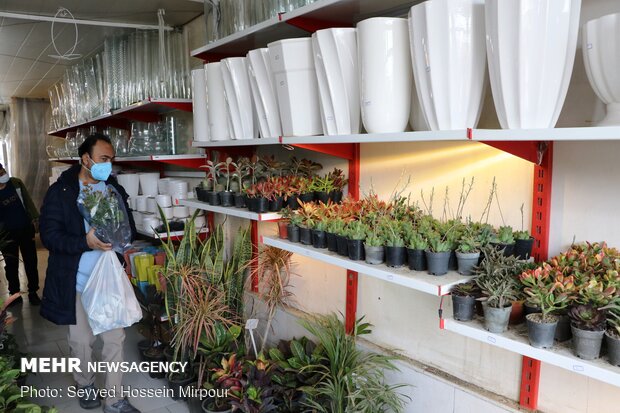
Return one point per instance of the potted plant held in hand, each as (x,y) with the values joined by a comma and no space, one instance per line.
(467,254)
(464,300)
(550,292)
(437,255)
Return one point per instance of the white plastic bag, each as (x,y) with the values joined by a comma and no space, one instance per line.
(108,297)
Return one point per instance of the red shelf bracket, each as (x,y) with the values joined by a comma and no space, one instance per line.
(253,268)
(530,380)
(311,25)
(341,150)
(351,288)
(184,106)
(527,150)
(186,163)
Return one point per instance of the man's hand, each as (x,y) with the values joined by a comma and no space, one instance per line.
(94,243)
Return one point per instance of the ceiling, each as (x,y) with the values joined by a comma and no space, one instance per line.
(26,70)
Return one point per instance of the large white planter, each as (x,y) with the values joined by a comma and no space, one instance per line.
(199,105)
(385,74)
(335,59)
(216,103)
(601,55)
(449,61)
(239,98)
(264,93)
(292,65)
(531,50)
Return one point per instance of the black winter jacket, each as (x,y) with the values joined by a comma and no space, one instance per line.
(62,232)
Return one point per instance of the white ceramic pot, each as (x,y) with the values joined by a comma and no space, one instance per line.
(385,74)
(150,223)
(449,61)
(148,183)
(200,221)
(601,55)
(141,203)
(292,65)
(217,112)
(238,98)
(180,211)
(335,60)
(151,204)
(264,93)
(163,201)
(168,212)
(531,50)
(131,183)
(162,185)
(199,105)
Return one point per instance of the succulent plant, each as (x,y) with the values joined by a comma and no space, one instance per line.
(587,317)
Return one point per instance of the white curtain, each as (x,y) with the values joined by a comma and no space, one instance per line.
(5,117)
(27,158)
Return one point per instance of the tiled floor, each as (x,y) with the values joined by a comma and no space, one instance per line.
(40,338)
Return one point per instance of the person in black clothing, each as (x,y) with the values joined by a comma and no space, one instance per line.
(18,219)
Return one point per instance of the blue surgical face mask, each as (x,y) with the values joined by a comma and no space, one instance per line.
(100,171)
(4,178)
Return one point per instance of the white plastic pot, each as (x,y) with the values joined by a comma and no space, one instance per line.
(385,74)
(148,183)
(601,55)
(163,201)
(131,183)
(335,60)
(449,61)
(199,105)
(531,50)
(141,203)
(264,93)
(296,86)
(217,112)
(238,98)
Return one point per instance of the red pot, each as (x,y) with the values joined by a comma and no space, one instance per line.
(282,229)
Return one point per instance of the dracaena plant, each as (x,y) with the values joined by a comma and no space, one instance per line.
(587,317)
(547,289)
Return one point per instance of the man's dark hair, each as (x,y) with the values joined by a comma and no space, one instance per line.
(90,141)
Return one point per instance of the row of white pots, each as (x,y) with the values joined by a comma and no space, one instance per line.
(303,87)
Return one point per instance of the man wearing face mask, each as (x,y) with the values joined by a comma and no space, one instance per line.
(18,219)
(74,251)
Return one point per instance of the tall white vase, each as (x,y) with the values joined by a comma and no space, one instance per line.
(199,105)
(531,50)
(335,59)
(385,74)
(239,98)
(449,61)
(216,103)
(296,86)
(601,55)
(264,93)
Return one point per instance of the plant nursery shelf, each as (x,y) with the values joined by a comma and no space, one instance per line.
(148,110)
(187,160)
(164,236)
(235,212)
(417,280)
(515,340)
(298,23)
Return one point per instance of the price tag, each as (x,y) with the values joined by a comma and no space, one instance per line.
(578,367)
(251,324)
(491,339)
(390,277)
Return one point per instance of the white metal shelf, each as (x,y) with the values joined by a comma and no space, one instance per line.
(160,158)
(235,212)
(515,340)
(416,280)
(164,235)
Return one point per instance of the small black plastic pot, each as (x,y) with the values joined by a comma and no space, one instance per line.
(335,196)
(332,243)
(239,200)
(343,245)
(307,197)
(319,239)
(395,256)
(563,331)
(507,248)
(523,248)
(416,260)
(262,205)
(155,354)
(227,198)
(213,198)
(305,236)
(321,196)
(293,233)
(275,205)
(201,194)
(453,263)
(356,249)
(437,262)
(463,307)
(293,202)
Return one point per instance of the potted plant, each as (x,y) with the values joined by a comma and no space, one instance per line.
(523,245)
(213,197)
(224,168)
(356,233)
(504,240)
(333,224)
(203,189)
(291,192)
(588,328)
(437,255)
(467,254)
(293,227)
(550,291)
(322,188)
(342,242)
(464,300)
(612,335)
(304,185)
(283,222)
(261,203)
(227,377)
(373,247)
(319,239)
(395,252)
(308,213)
(338,183)
(416,245)
(276,195)
(241,173)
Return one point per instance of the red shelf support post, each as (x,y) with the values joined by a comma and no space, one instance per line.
(351,289)
(541,216)
(253,268)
